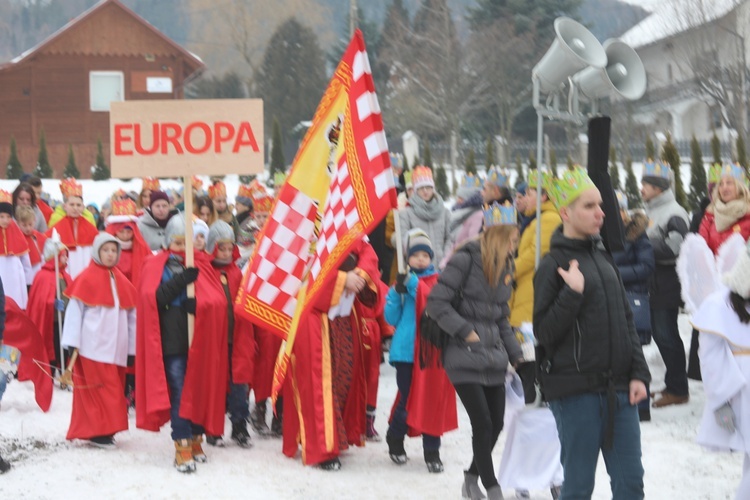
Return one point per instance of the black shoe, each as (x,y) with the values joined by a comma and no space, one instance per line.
(396,449)
(644,414)
(432,459)
(4,466)
(276,427)
(333,464)
(217,441)
(556,491)
(258,419)
(104,442)
(240,434)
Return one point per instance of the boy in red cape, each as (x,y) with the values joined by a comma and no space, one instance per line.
(15,266)
(325,388)
(43,304)
(174,380)
(122,224)
(76,232)
(26,218)
(372,337)
(221,247)
(100,327)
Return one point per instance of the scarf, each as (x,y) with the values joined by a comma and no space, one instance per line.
(726,214)
(427,210)
(462,211)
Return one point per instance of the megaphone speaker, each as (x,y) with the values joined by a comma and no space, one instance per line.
(624,74)
(574,48)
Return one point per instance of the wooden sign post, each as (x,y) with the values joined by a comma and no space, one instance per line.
(182,138)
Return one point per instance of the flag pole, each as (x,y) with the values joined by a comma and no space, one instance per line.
(58,295)
(189,257)
(399,243)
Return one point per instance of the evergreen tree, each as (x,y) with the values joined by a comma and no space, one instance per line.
(553,162)
(741,153)
(391,49)
(632,193)
(490,155)
(101,170)
(520,177)
(427,155)
(532,161)
(229,86)
(277,153)
(14,170)
(71,170)
(570,163)
(406,164)
(698,184)
(716,148)
(670,155)
(441,183)
(650,149)
(471,163)
(614,172)
(43,169)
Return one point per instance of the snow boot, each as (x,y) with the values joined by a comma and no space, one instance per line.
(258,419)
(371,434)
(495,493)
(432,459)
(331,465)
(217,441)
(470,488)
(556,492)
(197,449)
(277,428)
(396,449)
(103,442)
(183,458)
(4,466)
(240,434)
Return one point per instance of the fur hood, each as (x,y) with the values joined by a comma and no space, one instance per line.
(636,226)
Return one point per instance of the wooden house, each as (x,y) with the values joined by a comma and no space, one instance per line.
(65,84)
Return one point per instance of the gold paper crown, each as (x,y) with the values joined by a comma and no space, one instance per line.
(421,177)
(497,215)
(653,168)
(6,197)
(498,176)
(151,183)
(534,179)
(471,181)
(119,194)
(69,187)
(569,186)
(245,191)
(734,170)
(262,201)
(197,183)
(217,190)
(124,207)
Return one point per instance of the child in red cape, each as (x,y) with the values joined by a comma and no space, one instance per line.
(100,327)
(15,266)
(26,218)
(220,245)
(176,380)
(372,339)
(122,224)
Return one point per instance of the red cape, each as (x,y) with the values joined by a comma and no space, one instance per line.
(138,254)
(13,241)
(204,394)
(21,333)
(36,246)
(243,344)
(431,408)
(45,209)
(92,287)
(86,232)
(41,305)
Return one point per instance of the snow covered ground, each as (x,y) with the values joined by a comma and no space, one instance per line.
(45,466)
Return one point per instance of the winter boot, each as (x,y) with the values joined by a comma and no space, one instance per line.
(331,465)
(240,434)
(495,493)
(277,428)
(197,449)
(183,458)
(258,419)
(371,434)
(103,442)
(432,459)
(4,466)
(396,449)
(217,441)
(556,492)
(470,488)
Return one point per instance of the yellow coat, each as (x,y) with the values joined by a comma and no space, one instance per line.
(59,213)
(522,301)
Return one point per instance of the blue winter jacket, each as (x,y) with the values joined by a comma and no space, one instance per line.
(400,311)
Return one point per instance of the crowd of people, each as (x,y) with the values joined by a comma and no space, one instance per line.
(113,297)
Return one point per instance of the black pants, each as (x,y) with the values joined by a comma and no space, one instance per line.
(486,408)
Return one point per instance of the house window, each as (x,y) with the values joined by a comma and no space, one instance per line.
(105,87)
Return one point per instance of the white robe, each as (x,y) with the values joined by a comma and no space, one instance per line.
(14,270)
(104,334)
(78,260)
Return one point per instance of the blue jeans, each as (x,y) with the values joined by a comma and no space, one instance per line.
(666,334)
(398,425)
(3,384)
(175,367)
(238,403)
(581,424)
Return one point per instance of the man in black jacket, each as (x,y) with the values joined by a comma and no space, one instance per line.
(593,371)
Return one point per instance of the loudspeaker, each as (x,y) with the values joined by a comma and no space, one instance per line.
(624,74)
(574,48)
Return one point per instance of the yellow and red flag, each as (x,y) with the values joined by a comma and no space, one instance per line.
(339,188)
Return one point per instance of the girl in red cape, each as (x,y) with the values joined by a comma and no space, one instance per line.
(325,389)
(26,218)
(426,403)
(100,328)
(122,224)
(175,380)
(43,304)
(15,265)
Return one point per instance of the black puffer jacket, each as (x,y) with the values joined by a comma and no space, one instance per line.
(484,309)
(588,341)
(636,262)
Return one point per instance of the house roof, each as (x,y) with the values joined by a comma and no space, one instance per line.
(672,17)
(52,43)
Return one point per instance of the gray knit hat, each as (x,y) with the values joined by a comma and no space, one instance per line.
(416,240)
(102,238)
(219,232)
(175,229)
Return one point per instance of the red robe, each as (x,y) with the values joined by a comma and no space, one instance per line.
(243,338)
(203,399)
(322,413)
(372,341)
(22,333)
(13,241)
(131,260)
(45,209)
(36,246)
(267,345)
(41,306)
(74,232)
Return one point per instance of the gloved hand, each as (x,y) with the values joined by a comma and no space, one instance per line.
(724,416)
(189,305)
(59,305)
(189,275)
(400,286)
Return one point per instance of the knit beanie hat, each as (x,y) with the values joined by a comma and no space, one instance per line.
(422,177)
(417,240)
(738,279)
(156,196)
(175,228)
(200,227)
(219,232)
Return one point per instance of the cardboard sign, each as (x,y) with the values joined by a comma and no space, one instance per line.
(180,138)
